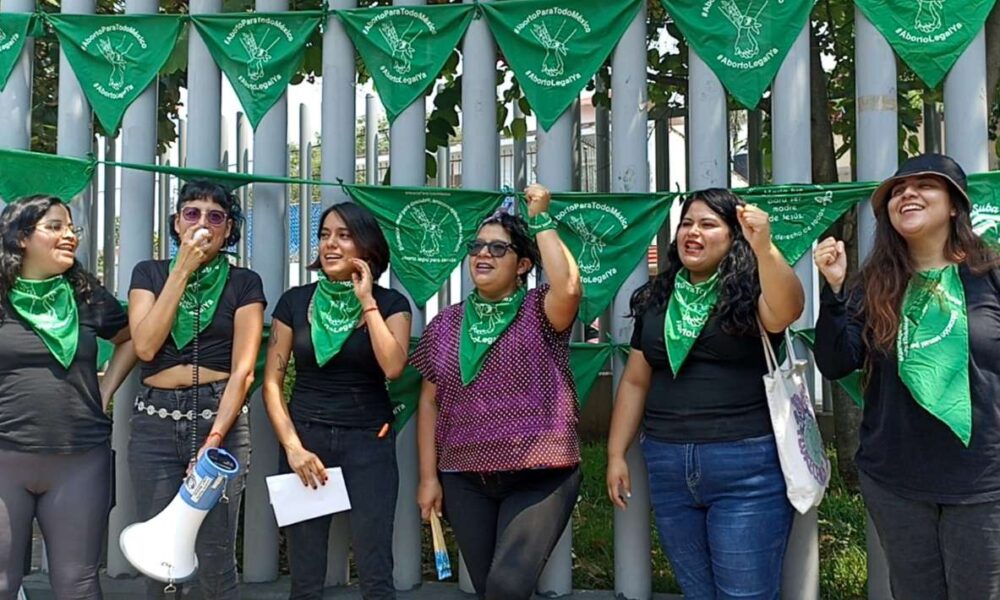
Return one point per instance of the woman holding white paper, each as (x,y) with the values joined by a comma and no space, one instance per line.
(348,335)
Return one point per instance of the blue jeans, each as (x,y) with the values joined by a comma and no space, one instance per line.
(722,515)
(368,463)
(159,451)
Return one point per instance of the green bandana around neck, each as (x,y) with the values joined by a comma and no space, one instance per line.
(483,323)
(49,307)
(687,312)
(932,348)
(202,292)
(334,315)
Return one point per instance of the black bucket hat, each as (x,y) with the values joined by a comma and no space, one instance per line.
(926,164)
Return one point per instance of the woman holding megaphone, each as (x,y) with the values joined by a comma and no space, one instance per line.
(55,451)
(197,323)
(922,321)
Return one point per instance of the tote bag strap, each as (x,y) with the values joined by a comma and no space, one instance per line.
(769,356)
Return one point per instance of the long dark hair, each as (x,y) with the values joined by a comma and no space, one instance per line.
(365,232)
(202,189)
(739,286)
(17,223)
(521,242)
(888,270)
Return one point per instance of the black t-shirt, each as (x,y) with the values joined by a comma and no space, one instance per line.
(903,446)
(45,407)
(215,344)
(719,393)
(350,389)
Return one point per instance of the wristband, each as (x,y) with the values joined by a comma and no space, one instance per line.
(541,222)
(214,433)
(368,310)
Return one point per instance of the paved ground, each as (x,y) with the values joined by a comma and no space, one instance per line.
(37,587)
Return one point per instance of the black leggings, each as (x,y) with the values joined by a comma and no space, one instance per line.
(508,523)
(70,495)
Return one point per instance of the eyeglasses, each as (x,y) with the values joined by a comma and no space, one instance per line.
(59,228)
(215,218)
(497,249)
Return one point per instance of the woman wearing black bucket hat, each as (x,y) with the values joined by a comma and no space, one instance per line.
(923,322)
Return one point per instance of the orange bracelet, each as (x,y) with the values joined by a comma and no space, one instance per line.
(369,309)
(214,433)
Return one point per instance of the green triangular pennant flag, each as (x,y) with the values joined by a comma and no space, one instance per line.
(928,34)
(799,214)
(405,47)
(984,189)
(115,58)
(744,42)
(608,234)
(24,173)
(427,229)
(555,46)
(258,52)
(13,33)
(586,361)
(404,392)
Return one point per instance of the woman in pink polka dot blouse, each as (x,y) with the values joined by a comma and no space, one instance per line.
(498,409)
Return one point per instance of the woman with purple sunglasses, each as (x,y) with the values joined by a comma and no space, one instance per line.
(196,322)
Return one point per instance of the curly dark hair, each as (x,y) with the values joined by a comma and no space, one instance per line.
(202,189)
(17,223)
(739,286)
(521,242)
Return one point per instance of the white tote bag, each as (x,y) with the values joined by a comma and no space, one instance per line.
(796,432)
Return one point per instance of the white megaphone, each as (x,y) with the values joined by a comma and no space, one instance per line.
(162,548)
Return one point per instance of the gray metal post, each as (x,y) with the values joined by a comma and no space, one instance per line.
(602,143)
(182,145)
(444,181)
(407,159)
(135,245)
(371,140)
(965,108)
(338,118)
(877,144)
(270,260)
(305,193)
(706,102)
(74,135)
(93,241)
(630,173)
(163,232)
(519,155)
(15,99)
(480,139)
(793,164)
(203,110)
(107,245)
(555,171)
(243,134)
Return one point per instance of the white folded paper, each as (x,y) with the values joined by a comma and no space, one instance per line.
(294,502)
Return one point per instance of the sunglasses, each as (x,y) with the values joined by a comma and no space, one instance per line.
(497,249)
(215,218)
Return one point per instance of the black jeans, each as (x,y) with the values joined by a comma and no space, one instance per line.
(507,524)
(159,452)
(936,551)
(368,463)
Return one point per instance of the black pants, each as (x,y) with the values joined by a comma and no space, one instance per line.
(70,495)
(508,523)
(936,551)
(368,463)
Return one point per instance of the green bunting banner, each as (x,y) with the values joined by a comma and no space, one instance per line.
(800,214)
(115,58)
(14,29)
(929,35)
(404,392)
(258,52)
(744,42)
(405,47)
(24,173)
(554,47)
(608,234)
(984,189)
(587,361)
(427,229)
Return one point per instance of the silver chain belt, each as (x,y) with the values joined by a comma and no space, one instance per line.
(175,414)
